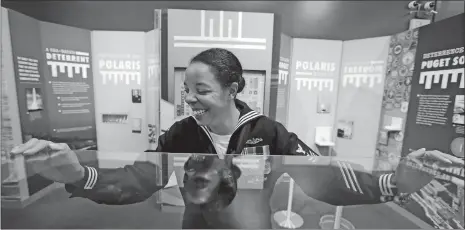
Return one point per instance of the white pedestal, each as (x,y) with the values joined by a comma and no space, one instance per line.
(292,221)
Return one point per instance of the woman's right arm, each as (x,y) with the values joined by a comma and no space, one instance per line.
(127,185)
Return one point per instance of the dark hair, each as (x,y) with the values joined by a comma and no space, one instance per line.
(226,65)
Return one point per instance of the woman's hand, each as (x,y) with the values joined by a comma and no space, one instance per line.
(419,168)
(56,162)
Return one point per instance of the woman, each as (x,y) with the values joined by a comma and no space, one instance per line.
(221,125)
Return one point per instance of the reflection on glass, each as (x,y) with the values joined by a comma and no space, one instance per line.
(238,191)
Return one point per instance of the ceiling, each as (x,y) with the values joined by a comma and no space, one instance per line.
(338,20)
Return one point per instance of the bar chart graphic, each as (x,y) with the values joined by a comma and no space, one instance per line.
(220,32)
(442,77)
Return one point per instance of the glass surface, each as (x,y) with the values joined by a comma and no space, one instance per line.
(240,191)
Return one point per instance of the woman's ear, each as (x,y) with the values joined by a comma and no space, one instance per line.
(233,89)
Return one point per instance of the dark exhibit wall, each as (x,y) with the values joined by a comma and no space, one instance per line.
(30,86)
(435,118)
(53,85)
(53,81)
(29,63)
(69,83)
(436,106)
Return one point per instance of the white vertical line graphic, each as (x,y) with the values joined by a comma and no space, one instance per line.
(221,24)
(235,41)
(428,81)
(445,80)
(211,28)
(422,78)
(239,25)
(202,23)
(229,28)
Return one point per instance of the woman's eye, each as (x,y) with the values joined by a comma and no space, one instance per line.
(203,92)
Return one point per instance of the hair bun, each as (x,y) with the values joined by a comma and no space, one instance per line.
(241,84)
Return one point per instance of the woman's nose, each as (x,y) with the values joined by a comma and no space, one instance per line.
(190,98)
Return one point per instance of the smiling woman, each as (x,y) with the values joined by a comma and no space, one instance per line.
(213,80)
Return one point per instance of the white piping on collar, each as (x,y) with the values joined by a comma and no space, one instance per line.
(242,120)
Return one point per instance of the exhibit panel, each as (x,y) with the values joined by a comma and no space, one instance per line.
(29,65)
(152,86)
(435,119)
(29,68)
(69,87)
(14,187)
(359,97)
(283,88)
(396,97)
(248,35)
(314,88)
(120,90)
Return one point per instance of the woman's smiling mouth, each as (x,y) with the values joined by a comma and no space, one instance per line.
(199,112)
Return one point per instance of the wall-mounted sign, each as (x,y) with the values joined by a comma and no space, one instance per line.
(358,74)
(219,29)
(315,75)
(120,68)
(67,61)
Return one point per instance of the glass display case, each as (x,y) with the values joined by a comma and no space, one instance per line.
(166,190)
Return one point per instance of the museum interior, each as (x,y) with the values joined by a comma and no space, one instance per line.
(374,90)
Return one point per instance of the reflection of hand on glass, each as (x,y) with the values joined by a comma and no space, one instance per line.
(420,167)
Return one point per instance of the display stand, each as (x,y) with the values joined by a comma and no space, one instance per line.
(287,218)
(335,221)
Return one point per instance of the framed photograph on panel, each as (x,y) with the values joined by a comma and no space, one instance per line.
(345,129)
(136,96)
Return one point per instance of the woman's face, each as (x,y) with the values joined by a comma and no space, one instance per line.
(205,95)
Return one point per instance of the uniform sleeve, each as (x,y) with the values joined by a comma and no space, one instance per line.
(127,185)
(352,185)
(288,143)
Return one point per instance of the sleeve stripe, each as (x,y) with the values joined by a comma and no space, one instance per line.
(348,175)
(343,175)
(388,183)
(355,178)
(385,185)
(92,178)
(380,185)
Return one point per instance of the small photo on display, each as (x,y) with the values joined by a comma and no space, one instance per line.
(34,99)
(345,129)
(136,96)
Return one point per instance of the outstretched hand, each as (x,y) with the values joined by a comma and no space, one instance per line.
(419,168)
(54,161)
